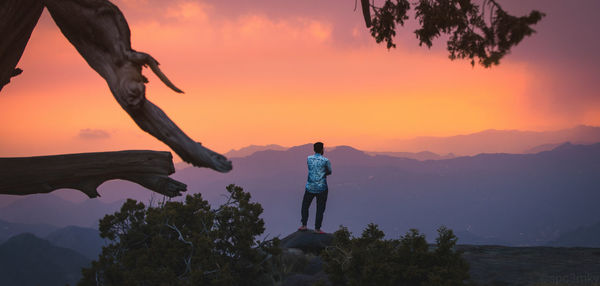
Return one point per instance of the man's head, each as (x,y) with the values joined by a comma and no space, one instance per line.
(318,147)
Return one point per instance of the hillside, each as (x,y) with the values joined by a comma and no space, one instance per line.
(86,241)
(28,260)
(9,229)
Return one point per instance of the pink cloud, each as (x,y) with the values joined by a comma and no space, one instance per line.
(93,134)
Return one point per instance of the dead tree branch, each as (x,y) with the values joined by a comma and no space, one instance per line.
(87,171)
(17,20)
(100,33)
(188,260)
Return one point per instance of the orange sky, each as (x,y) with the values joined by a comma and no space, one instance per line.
(255,79)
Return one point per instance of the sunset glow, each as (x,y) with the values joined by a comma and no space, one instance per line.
(250,78)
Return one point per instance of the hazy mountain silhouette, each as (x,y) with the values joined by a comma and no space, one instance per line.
(467,237)
(50,209)
(249,150)
(542,148)
(28,260)
(496,141)
(522,199)
(421,156)
(9,229)
(86,241)
(584,236)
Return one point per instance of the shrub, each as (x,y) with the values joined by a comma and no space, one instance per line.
(372,260)
(184,243)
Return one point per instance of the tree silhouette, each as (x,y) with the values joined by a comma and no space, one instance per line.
(485,32)
(184,243)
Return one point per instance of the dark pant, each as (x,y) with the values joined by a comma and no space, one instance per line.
(321,201)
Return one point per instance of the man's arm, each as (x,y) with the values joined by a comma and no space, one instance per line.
(328,168)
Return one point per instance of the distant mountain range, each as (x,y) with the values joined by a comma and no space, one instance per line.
(520,199)
(421,156)
(9,229)
(511,199)
(249,150)
(51,256)
(488,141)
(497,141)
(26,259)
(52,210)
(582,236)
(86,241)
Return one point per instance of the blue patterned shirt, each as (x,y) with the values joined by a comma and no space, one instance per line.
(318,169)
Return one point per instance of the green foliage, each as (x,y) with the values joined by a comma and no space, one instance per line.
(385,19)
(371,260)
(473,34)
(184,243)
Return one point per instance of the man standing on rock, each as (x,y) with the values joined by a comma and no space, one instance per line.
(319,168)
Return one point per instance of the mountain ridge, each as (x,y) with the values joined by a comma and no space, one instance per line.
(251,149)
(9,229)
(495,141)
(487,141)
(26,254)
(53,210)
(551,191)
(86,241)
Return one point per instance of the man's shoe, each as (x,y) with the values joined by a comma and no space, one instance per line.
(319,231)
(302,228)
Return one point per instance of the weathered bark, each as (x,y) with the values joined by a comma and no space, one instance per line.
(366,10)
(100,33)
(17,20)
(87,171)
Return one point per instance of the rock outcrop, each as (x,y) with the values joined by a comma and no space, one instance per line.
(307,241)
(300,258)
